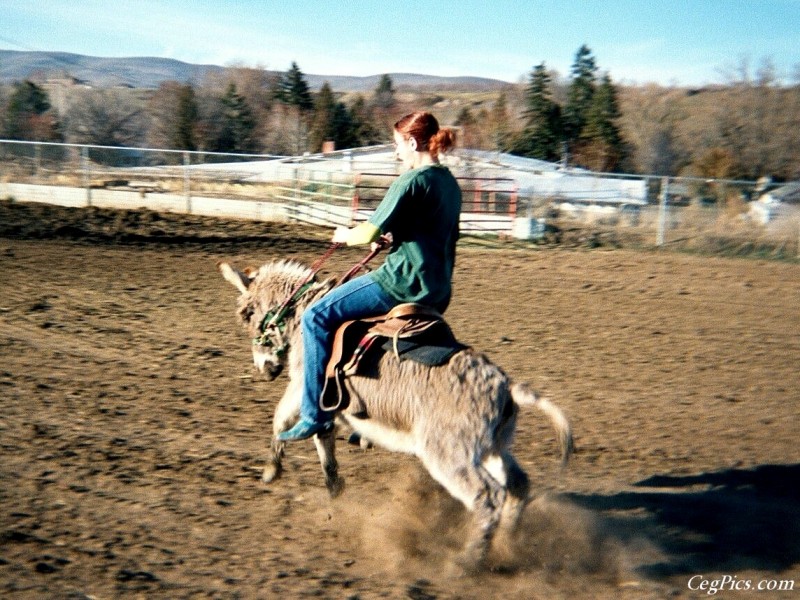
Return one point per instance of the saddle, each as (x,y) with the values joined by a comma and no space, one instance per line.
(409,331)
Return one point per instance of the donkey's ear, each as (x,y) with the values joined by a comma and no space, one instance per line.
(234,277)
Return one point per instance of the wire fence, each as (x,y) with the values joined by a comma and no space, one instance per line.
(508,197)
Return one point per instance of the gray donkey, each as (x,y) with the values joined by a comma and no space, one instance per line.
(458,418)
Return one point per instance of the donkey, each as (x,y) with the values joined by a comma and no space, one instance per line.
(458,419)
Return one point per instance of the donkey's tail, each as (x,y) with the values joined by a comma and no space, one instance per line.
(525,396)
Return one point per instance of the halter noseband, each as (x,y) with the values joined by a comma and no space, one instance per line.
(274,322)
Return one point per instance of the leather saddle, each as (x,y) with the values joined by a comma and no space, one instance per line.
(409,331)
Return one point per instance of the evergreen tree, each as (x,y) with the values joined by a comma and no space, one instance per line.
(344,133)
(173,118)
(384,94)
(295,95)
(500,130)
(465,118)
(364,131)
(27,114)
(322,124)
(187,117)
(580,94)
(383,106)
(238,124)
(601,134)
(541,137)
(332,122)
(293,89)
(468,124)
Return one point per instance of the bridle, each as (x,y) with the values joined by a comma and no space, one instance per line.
(273,324)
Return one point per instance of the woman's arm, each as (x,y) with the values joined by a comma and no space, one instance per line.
(361,234)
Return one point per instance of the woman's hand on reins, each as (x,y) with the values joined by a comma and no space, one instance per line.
(341,235)
(382,242)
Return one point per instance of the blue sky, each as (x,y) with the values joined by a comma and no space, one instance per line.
(682,42)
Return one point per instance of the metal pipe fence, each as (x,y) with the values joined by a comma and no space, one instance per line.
(489,204)
(343,187)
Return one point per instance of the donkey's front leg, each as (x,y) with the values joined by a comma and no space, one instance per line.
(286,414)
(326,450)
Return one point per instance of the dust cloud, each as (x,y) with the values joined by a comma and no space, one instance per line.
(418,528)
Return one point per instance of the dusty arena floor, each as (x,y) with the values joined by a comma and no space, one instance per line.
(133,430)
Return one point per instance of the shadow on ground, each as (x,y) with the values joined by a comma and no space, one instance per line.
(725,521)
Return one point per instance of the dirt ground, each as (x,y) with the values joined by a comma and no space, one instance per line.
(133,430)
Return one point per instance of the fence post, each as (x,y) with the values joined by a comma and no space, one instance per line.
(512,205)
(355,201)
(798,239)
(37,149)
(85,174)
(186,187)
(662,211)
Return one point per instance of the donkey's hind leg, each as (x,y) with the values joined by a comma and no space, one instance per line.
(518,494)
(489,498)
(484,496)
(505,469)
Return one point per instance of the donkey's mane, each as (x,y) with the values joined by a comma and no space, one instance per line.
(289,269)
(274,281)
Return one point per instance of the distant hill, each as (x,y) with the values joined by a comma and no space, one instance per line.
(102,72)
(149,72)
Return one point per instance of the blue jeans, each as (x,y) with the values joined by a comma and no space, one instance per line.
(357,298)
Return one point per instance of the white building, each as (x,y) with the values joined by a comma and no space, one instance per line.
(777,204)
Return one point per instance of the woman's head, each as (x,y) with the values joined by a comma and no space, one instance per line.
(421,132)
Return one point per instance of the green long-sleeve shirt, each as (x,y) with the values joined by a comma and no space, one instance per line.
(421,209)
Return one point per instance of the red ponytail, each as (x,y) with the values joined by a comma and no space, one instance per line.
(424,128)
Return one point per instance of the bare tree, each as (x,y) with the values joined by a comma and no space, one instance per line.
(4,95)
(106,117)
(650,116)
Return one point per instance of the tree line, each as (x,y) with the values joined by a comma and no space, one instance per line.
(747,128)
(246,111)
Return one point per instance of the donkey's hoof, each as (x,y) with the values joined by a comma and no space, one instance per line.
(458,568)
(271,473)
(468,563)
(335,486)
(356,440)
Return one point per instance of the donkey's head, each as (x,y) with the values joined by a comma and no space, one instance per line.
(268,310)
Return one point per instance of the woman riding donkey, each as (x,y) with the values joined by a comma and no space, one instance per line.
(421,210)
